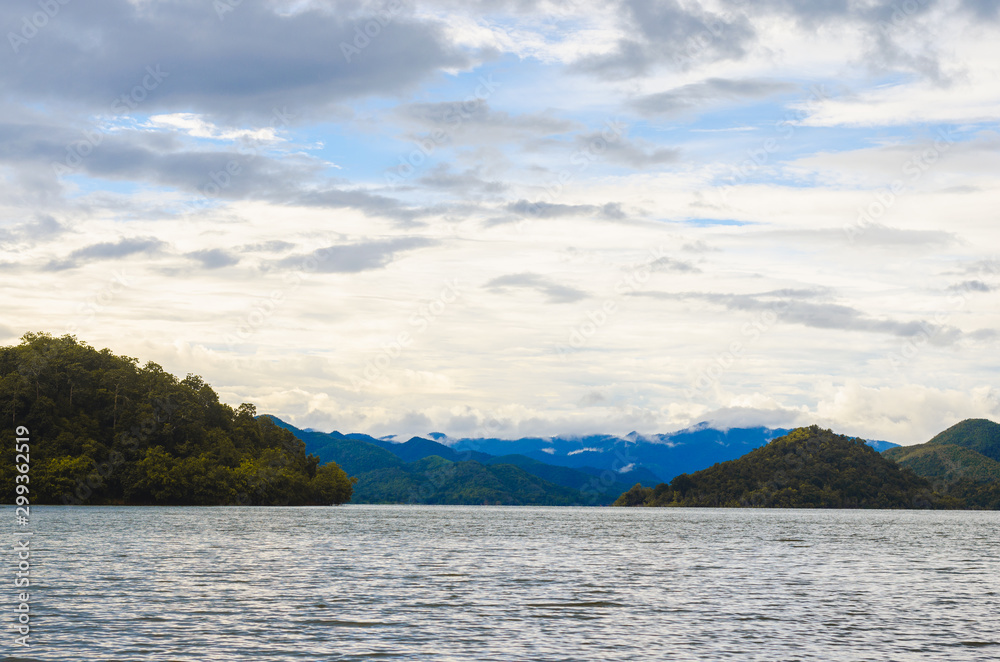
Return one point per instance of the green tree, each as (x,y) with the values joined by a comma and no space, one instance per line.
(105,430)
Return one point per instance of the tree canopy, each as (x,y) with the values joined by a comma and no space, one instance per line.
(961,461)
(978,434)
(105,430)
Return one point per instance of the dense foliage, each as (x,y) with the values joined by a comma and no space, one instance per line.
(807,468)
(978,434)
(435,480)
(355,456)
(961,461)
(105,430)
(975,494)
(608,483)
(945,463)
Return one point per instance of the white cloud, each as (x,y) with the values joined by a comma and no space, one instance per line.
(971,99)
(633,298)
(197,126)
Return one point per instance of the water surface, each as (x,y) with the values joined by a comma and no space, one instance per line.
(493,583)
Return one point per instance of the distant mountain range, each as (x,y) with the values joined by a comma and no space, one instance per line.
(107,431)
(589,470)
(426,471)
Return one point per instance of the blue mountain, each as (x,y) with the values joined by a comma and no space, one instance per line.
(654,457)
(602,464)
(426,471)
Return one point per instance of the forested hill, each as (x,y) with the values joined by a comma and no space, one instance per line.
(105,430)
(807,468)
(961,461)
(977,434)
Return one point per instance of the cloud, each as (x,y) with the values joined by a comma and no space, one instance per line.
(366,201)
(198,127)
(670,264)
(210,174)
(218,136)
(713,90)
(353,258)
(593,398)
(108,251)
(905,413)
(609,211)
(984,335)
(122,248)
(243,63)
(792,306)
(984,267)
(271,246)
(214,258)
(863,235)
(665,32)
(971,98)
(889,237)
(983,9)
(548,209)
(632,153)
(971,286)
(442,177)
(698,246)
(41,228)
(474,121)
(555,292)
(726,418)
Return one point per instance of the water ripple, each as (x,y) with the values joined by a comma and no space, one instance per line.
(498,584)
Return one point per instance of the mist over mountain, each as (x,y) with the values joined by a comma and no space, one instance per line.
(662,456)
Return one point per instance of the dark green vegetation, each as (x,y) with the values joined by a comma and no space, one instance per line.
(976,434)
(807,468)
(945,462)
(425,471)
(961,461)
(104,430)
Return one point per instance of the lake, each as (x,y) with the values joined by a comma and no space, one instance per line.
(504,583)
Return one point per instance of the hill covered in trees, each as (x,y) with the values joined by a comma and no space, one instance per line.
(105,430)
(945,461)
(807,468)
(961,461)
(978,434)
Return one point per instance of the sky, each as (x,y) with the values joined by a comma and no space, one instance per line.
(508,218)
